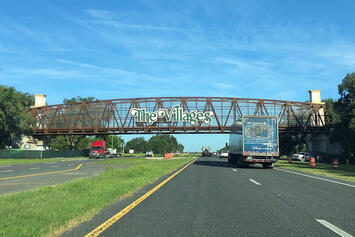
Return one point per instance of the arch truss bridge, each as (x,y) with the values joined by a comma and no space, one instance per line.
(120,116)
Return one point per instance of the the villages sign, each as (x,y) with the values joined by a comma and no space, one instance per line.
(175,114)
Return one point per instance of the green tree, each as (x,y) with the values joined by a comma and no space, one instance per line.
(70,142)
(159,145)
(78,99)
(14,121)
(180,148)
(139,145)
(292,143)
(84,143)
(163,144)
(342,120)
(112,141)
(58,143)
(333,121)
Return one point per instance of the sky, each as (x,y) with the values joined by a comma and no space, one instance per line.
(124,49)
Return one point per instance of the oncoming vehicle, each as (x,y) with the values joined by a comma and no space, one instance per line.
(149,153)
(223,154)
(206,151)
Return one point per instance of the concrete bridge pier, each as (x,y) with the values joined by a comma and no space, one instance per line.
(319,143)
(29,142)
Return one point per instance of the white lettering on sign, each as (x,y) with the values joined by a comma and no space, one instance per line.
(175,114)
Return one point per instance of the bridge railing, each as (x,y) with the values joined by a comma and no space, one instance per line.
(114,116)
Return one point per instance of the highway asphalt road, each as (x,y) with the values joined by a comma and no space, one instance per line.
(212,198)
(10,184)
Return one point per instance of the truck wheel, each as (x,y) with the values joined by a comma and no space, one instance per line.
(240,163)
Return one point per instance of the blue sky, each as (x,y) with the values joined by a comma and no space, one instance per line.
(122,49)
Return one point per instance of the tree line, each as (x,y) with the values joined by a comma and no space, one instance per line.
(340,119)
(159,144)
(14,121)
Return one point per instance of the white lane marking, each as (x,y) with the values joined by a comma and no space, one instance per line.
(5,166)
(334,228)
(51,163)
(235,170)
(4,171)
(255,182)
(71,165)
(54,166)
(314,177)
(34,168)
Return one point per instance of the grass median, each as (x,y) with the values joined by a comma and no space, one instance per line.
(346,172)
(48,211)
(11,161)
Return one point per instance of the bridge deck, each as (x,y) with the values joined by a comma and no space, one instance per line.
(118,116)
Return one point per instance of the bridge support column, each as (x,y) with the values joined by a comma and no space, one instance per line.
(319,143)
(29,142)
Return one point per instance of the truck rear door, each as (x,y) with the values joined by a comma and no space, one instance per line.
(260,136)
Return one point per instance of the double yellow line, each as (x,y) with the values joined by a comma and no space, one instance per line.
(123,212)
(39,174)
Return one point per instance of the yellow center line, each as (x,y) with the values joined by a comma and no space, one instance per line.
(39,174)
(117,216)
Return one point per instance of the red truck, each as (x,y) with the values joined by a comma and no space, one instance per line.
(99,150)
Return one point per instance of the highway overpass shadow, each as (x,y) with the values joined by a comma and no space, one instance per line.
(208,161)
(211,161)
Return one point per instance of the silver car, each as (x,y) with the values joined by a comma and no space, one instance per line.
(298,156)
(224,154)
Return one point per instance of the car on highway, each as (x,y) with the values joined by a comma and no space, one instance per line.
(298,156)
(223,154)
(149,153)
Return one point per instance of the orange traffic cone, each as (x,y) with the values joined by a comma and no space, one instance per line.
(312,162)
(335,164)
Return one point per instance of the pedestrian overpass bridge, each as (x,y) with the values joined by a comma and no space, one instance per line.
(172,115)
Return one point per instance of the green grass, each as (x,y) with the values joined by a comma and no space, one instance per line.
(346,172)
(48,211)
(10,161)
(133,154)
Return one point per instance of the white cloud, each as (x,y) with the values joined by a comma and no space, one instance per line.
(222,85)
(52,73)
(108,18)
(115,72)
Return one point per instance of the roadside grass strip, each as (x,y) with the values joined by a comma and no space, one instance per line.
(6,161)
(345,172)
(49,211)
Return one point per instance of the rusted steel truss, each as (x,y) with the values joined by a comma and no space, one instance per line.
(113,116)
